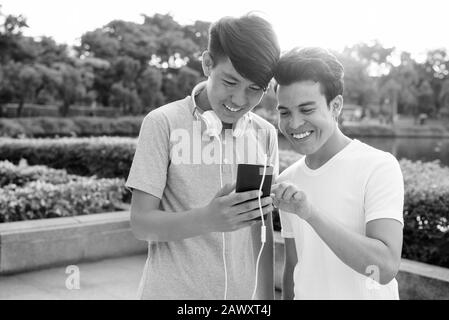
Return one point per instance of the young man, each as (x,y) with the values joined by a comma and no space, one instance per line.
(203,239)
(341,205)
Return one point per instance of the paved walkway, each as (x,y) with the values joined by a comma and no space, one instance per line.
(110,279)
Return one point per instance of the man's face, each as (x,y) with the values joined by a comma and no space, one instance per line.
(230,95)
(304,116)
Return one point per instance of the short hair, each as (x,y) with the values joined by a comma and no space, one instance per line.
(251,45)
(315,64)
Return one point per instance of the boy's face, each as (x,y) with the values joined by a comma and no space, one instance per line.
(230,95)
(304,116)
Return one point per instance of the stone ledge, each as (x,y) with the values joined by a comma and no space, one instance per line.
(37,244)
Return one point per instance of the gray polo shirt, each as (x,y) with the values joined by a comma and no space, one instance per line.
(176,163)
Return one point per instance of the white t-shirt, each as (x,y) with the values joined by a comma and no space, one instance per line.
(357,185)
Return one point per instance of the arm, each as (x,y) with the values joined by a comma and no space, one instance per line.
(380,247)
(290,261)
(225,212)
(265,287)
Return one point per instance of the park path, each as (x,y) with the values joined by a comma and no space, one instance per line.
(109,279)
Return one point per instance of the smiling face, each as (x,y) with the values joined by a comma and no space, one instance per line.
(229,94)
(305,118)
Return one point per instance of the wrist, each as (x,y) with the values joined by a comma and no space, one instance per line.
(201,219)
(312,216)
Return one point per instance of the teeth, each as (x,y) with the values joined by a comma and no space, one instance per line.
(302,135)
(232,109)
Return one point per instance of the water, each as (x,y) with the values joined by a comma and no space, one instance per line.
(424,149)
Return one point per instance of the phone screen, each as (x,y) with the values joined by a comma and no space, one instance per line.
(249,177)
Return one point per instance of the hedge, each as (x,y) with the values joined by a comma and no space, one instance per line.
(426,212)
(29,192)
(103,157)
(51,127)
(68,127)
(426,208)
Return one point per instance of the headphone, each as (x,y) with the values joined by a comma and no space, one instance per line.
(214,126)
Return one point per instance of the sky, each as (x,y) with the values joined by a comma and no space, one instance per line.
(415,26)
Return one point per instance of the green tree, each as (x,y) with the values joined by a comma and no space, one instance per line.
(68,83)
(444,98)
(149,88)
(21,82)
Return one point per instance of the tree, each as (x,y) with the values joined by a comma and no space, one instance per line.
(68,83)
(426,98)
(389,97)
(360,88)
(444,98)
(10,35)
(21,82)
(149,88)
(125,98)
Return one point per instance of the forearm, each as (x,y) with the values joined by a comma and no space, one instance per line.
(159,225)
(358,251)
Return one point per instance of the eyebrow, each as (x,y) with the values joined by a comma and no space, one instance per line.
(228,75)
(232,77)
(301,105)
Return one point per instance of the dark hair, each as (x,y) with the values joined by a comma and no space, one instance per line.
(314,64)
(250,43)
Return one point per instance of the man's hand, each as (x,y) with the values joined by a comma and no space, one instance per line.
(229,211)
(288,197)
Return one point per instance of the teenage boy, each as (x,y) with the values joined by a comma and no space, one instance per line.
(203,239)
(341,205)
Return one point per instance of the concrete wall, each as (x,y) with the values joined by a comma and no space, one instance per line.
(36,244)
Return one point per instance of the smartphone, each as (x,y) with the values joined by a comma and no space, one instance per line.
(249,177)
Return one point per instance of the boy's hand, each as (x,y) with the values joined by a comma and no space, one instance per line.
(227,212)
(287,197)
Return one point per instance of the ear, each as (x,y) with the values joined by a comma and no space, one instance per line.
(207,63)
(336,106)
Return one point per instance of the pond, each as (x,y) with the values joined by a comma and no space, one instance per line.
(424,149)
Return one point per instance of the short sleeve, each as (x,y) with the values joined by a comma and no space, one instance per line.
(384,193)
(286,224)
(148,171)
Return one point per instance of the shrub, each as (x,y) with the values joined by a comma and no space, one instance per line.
(426,212)
(67,127)
(38,192)
(101,156)
(22,174)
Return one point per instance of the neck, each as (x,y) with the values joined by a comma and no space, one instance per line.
(202,101)
(337,142)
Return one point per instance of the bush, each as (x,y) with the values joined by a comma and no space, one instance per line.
(102,156)
(426,212)
(67,127)
(37,192)
(22,174)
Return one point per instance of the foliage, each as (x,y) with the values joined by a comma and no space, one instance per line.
(426,212)
(104,157)
(77,126)
(38,192)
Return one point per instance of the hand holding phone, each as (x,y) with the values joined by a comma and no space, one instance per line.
(249,177)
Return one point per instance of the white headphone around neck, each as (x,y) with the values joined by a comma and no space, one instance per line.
(214,126)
